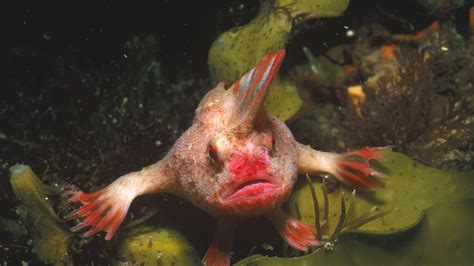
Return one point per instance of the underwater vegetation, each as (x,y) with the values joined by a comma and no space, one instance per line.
(50,241)
(402,201)
(149,245)
(411,88)
(411,91)
(424,108)
(423,248)
(238,49)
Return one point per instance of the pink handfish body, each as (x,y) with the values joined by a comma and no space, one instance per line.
(235,161)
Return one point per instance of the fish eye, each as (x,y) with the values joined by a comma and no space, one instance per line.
(212,152)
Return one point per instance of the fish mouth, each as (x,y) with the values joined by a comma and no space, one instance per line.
(249,188)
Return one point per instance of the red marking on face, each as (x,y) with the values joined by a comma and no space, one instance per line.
(245,165)
(252,185)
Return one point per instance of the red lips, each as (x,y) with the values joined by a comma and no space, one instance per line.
(250,176)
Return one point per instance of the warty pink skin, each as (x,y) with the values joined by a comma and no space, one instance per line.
(235,161)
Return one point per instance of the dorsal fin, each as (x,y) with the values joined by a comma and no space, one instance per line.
(250,90)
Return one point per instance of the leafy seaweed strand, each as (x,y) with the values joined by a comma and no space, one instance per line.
(342,217)
(317,222)
(326,205)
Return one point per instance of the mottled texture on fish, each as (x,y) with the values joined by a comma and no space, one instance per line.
(235,161)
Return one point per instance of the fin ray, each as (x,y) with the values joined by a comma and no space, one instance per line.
(250,90)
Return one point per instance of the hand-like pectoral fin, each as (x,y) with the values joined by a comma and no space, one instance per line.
(351,168)
(105,209)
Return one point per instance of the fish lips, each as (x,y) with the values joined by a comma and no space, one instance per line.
(248,188)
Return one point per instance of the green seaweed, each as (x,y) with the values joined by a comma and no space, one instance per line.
(147,245)
(410,189)
(430,240)
(50,240)
(282,99)
(12,227)
(236,51)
